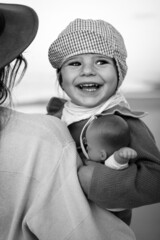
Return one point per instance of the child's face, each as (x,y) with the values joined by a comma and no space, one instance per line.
(89,79)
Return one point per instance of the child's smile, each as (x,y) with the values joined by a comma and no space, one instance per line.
(89,87)
(89,79)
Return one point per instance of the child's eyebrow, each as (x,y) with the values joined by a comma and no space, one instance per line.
(73,59)
(103,57)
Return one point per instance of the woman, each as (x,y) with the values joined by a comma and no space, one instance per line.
(38,158)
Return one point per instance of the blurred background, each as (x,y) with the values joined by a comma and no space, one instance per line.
(139,23)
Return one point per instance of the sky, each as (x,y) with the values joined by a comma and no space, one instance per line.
(137,20)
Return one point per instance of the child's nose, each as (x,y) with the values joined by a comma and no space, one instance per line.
(87,70)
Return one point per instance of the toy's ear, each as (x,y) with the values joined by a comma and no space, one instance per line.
(103,154)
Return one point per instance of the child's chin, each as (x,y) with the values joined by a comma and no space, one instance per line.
(91,104)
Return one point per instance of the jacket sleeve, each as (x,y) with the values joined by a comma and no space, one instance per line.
(135,186)
(55,106)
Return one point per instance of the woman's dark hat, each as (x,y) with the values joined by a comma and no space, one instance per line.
(18,28)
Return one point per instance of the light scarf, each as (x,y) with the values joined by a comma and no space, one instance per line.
(74,113)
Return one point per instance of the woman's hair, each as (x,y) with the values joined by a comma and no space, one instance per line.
(8,79)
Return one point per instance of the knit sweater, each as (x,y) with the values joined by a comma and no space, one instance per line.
(135,186)
(40,194)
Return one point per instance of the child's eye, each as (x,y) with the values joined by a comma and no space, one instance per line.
(74,64)
(102,62)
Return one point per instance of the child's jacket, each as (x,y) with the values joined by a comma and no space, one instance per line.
(135,186)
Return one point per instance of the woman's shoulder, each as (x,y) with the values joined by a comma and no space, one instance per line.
(40,125)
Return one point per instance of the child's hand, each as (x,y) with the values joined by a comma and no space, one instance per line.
(123,155)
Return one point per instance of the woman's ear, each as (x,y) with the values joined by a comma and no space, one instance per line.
(103,154)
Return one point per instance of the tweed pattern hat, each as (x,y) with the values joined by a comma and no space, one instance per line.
(89,36)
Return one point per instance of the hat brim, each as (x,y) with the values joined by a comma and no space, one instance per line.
(21,25)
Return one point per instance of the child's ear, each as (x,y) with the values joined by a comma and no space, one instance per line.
(103,154)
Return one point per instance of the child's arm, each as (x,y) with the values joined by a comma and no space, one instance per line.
(119,159)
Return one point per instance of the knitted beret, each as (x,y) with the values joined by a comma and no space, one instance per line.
(89,36)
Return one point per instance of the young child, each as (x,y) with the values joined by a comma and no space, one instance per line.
(90,58)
